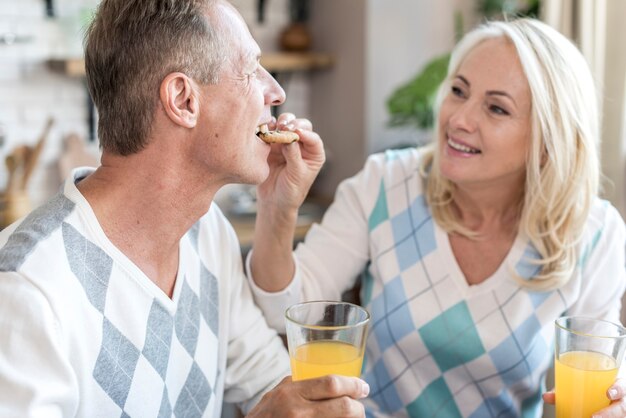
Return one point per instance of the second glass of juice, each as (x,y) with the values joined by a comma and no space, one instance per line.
(587,357)
(326,337)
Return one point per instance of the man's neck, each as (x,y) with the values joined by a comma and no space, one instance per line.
(144,209)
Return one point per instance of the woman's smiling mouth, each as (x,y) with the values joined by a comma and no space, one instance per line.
(461,147)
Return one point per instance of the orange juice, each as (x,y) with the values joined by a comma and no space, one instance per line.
(582,379)
(321,358)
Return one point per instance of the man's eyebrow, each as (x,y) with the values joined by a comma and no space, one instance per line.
(252,57)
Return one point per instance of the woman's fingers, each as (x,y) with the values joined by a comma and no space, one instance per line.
(284,119)
(616,410)
(549,397)
(615,393)
(289,122)
(617,390)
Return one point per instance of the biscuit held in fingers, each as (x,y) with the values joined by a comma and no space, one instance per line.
(277,137)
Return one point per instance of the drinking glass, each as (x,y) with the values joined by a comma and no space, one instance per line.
(588,354)
(326,337)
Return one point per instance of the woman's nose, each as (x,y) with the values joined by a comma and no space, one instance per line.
(465,116)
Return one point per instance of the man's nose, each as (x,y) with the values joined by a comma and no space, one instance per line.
(274,93)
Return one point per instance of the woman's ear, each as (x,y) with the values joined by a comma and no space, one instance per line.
(180,99)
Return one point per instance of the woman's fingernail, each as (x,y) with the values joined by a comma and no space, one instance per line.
(612,394)
(290,127)
(365,390)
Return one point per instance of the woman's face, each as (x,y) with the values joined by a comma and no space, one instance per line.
(484,120)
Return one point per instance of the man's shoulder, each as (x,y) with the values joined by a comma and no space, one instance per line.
(395,164)
(19,240)
(213,230)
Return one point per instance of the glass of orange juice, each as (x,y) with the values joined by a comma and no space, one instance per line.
(587,357)
(326,337)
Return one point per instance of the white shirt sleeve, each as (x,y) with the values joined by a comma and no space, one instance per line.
(603,279)
(256,359)
(334,252)
(36,379)
(274,304)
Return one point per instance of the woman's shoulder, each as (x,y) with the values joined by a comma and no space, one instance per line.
(604,220)
(396,164)
(604,214)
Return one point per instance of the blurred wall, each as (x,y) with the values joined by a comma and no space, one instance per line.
(338,96)
(402,37)
(378,45)
(613,149)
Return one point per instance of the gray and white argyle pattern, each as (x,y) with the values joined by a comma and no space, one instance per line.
(125,367)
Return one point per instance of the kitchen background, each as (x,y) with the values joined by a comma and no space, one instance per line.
(374,47)
(368,48)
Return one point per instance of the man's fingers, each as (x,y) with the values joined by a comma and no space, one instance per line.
(344,407)
(333,386)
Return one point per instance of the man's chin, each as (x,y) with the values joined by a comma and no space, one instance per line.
(257,177)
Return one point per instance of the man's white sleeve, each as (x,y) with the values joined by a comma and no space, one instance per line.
(36,380)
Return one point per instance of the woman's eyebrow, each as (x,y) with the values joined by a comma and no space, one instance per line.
(501,93)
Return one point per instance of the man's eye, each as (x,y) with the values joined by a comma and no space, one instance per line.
(252,75)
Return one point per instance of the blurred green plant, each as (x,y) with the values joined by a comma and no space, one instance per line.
(411,104)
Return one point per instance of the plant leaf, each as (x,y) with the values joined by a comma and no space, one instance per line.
(412,103)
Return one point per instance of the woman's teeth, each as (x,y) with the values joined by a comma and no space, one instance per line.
(462,148)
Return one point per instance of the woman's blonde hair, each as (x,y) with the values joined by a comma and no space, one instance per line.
(562,169)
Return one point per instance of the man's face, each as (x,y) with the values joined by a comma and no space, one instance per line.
(232,110)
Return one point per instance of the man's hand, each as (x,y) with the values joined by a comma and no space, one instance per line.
(616,394)
(329,397)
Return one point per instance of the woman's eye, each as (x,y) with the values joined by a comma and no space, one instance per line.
(498,110)
(457,91)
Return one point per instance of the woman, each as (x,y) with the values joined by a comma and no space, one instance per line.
(471,246)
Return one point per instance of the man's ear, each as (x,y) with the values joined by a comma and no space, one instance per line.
(180,99)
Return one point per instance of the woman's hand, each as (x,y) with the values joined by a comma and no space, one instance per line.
(293,167)
(616,394)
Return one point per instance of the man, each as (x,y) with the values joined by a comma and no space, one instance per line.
(124,296)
